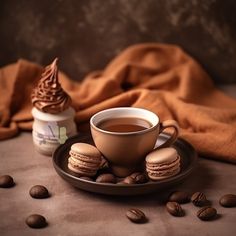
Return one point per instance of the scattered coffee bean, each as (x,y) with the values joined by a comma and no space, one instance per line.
(174,209)
(180,197)
(6,181)
(129,180)
(136,216)
(39,192)
(139,177)
(199,199)
(106,178)
(86,178)
(207,213)
(228,200)
(36,221)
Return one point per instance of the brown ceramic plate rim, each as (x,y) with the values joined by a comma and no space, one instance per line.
(180,144)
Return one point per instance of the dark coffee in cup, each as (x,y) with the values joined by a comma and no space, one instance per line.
(124,124)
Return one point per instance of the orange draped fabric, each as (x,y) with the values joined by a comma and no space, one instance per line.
(159,77)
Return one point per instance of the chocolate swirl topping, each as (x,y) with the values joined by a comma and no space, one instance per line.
(49,96)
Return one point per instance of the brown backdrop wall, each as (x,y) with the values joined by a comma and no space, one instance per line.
(86,34)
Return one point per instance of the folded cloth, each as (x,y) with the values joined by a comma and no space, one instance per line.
(158,77)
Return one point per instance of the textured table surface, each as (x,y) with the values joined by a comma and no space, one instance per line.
(70,211)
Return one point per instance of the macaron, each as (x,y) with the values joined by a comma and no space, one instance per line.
(84,159)
(162,163)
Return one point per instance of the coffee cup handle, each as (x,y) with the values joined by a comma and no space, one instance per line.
(169,124)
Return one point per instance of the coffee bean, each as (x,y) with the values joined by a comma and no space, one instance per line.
(139,177)
(228,200)
(174,209)
(36,221)
(106,178)
(135,178)
(129,180)
(199,199)
(6,181)
(207,213)
(180,197)
(86,178)
(39,192)
(136,216)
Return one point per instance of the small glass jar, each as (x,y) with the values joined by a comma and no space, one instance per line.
(51,130)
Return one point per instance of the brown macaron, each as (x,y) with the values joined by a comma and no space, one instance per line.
(162,163)
(84,159)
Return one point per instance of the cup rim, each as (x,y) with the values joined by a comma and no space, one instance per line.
(92,125)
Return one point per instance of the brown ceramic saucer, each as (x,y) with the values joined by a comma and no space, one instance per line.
(188,161)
